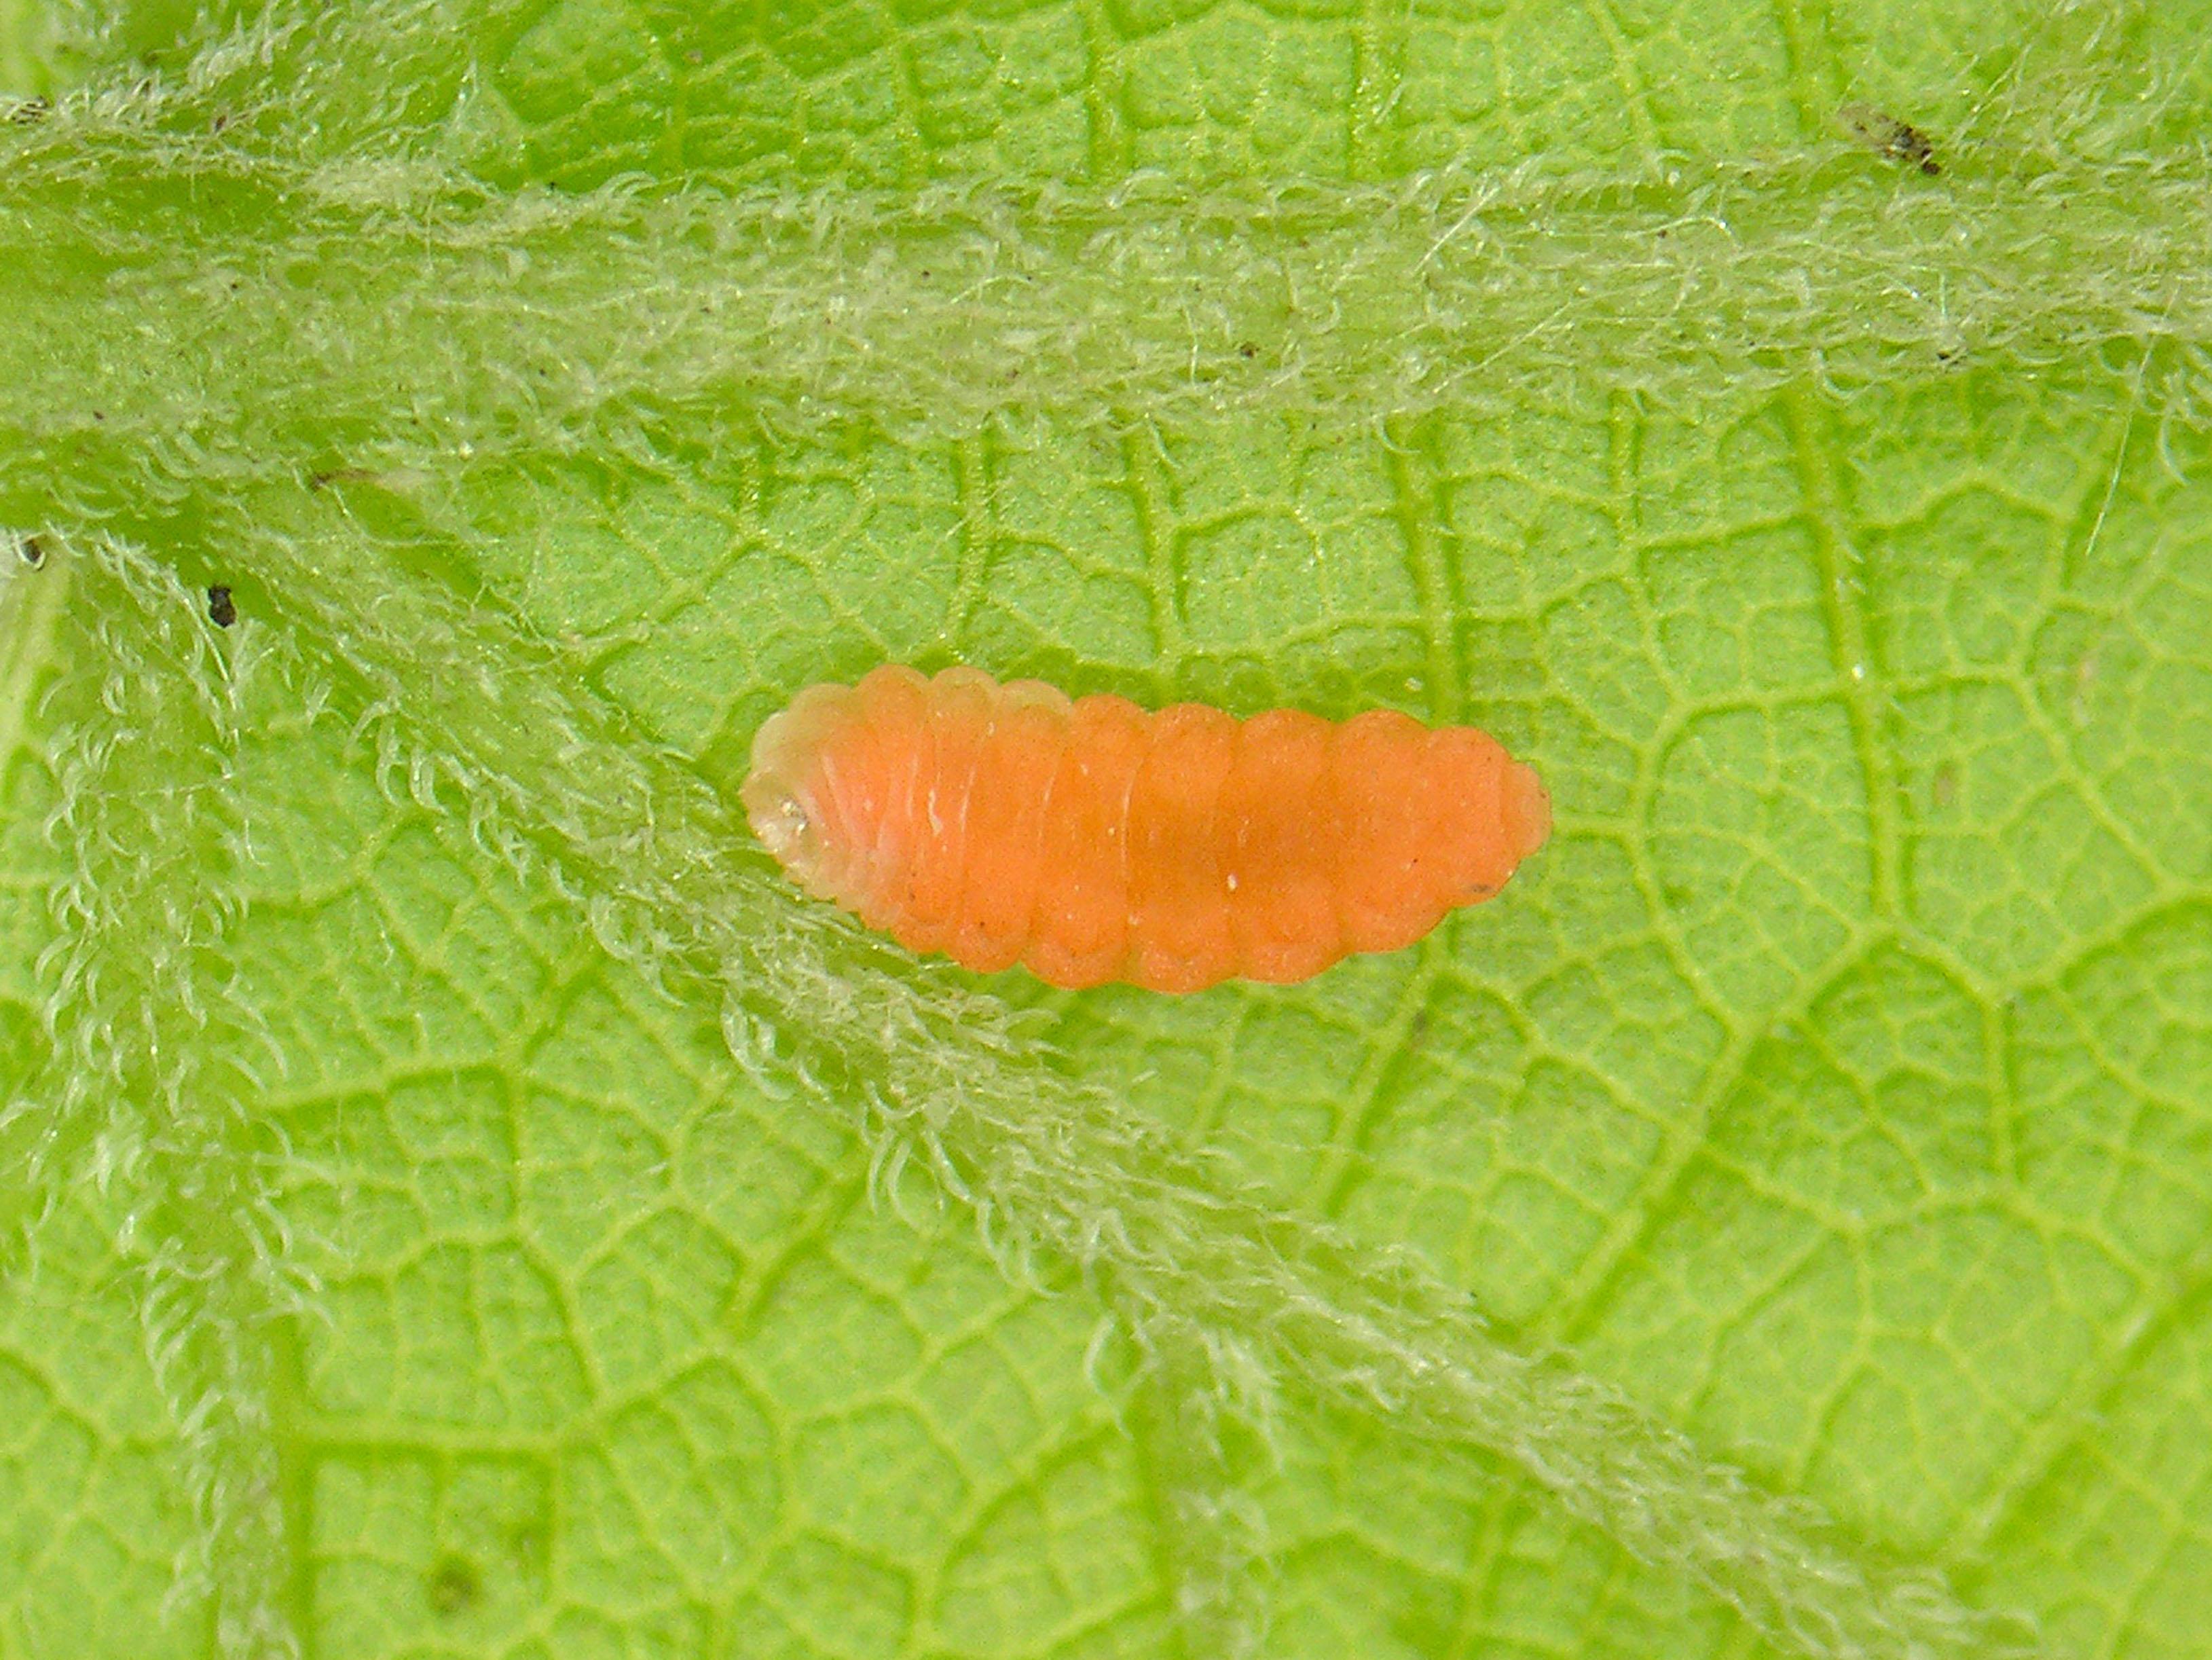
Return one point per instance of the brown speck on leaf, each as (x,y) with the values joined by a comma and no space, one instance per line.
(26,112)
(221,612)
(1885,135)
(1945,786)
(32,551)
(454,1585)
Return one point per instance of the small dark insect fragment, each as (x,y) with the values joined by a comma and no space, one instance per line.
(32,551)
(221,612)
(1887,135)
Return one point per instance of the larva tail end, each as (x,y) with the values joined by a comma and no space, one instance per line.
(1524,810)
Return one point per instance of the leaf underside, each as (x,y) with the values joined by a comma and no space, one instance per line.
(459,1201)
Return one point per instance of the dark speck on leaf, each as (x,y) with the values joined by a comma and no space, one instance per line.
(26,112)
(221,612)
(1887,135)
(1248,351)
(32,551)
(454,1585)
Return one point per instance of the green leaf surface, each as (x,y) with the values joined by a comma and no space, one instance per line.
(459,1201)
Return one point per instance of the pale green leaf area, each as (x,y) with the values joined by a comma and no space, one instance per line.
(459,1201)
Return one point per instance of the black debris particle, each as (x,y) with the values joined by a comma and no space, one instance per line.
(24,111)
(32,551)
(454,1586)
(221,612)
(1885,135)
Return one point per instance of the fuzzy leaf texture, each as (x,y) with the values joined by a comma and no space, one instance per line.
(457,1199)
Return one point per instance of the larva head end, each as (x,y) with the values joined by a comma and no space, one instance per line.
(785,827)
(779,792)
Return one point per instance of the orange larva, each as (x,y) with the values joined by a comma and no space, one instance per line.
(1091,842)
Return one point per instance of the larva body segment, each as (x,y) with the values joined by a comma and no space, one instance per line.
(1094,842)
(1278,819)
